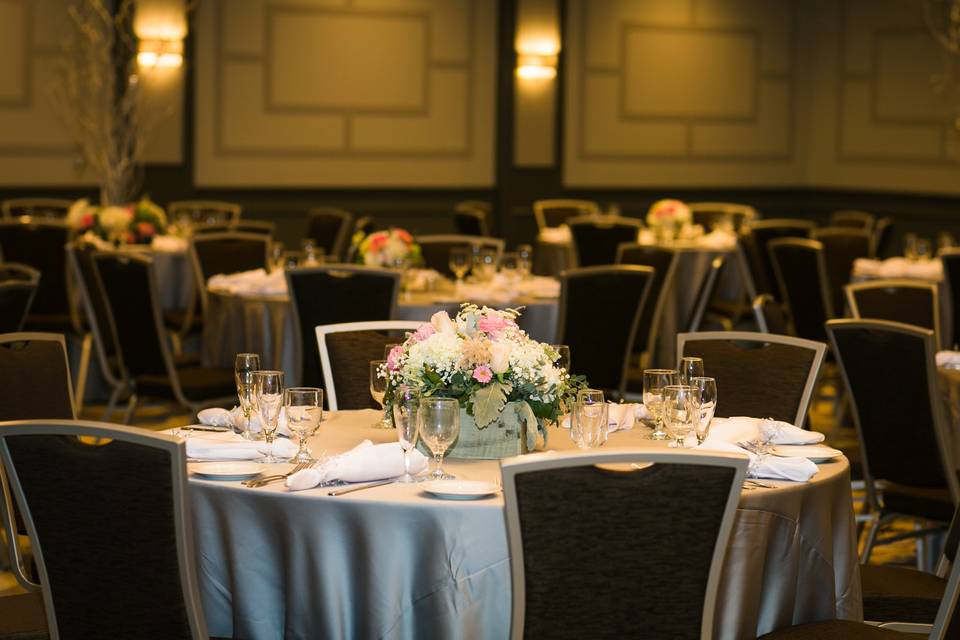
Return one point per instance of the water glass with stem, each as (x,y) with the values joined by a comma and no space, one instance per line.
(690,368)
(706,399)
(525,262)
(485,264)
(679,411)
(654,380)
(244,366)
(269,399)
(459,264)
(439,426)
(378,389)
(406,409)
(304,407)
(590,420)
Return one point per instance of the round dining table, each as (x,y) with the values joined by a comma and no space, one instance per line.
(394,562)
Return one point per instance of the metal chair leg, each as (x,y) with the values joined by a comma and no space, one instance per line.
(131,409)
(874,527)
(83,371)
(112,403)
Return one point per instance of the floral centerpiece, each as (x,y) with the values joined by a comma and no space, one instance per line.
(136,223)
(391,248)
(668,216)
(508,384)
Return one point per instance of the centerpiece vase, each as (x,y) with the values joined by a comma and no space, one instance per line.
(515,432)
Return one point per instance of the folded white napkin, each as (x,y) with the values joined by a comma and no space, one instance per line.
(555,235)
(948,359)
(236,448)
(363,463)
(620,416)
(718,239)
(216,417)
(539,286)
(742,429)
(898,268)
(168,244)
(257,281)
(770,467)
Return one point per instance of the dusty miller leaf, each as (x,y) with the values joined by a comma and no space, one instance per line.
(489,401)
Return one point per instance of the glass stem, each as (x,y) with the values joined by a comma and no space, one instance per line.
(406,462)
(268,436)
(438,459)
(303,442)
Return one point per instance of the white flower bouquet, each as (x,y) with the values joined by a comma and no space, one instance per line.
(668,213)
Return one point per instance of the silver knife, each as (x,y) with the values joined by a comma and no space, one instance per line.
(340,492)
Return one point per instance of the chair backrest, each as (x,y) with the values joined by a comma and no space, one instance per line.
(36,377)
(890,373)
(853,219)
(907,301)
(261,227)
(801,273)
(841,247)
(205,211)
(330,228)
(333,295)
(708,286)
(596,239)
(758,374)
(39,244)
(558,512)
(664,262)
(553,213)
(93,299)
(346,350)
(435,249)
(55,208)
(469,221)
(14,271)
(86,550)
(762,232)
(228,252)
(600,310)
(882,235)
(708,214)
(18,286)
(771,316)
(950,258)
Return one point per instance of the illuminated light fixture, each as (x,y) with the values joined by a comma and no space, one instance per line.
(160,53)
(536,66)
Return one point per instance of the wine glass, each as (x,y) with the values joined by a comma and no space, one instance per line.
(439,425)
(269,400)
(378,388)
(706,400)
(459,263)
(654,380)
(277,256)
(510,265)
(484,264)
(690,368)
(591,423)
(304,407)
(308,251)
(910,246)
(679,410)
(923,249)
(563,356)
(525,262)
(244,366)
(406,409)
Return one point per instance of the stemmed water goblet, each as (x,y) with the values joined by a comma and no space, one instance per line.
(439,426)
(269,400)
(525,260)
(378,389)
(244,367)
(690,368)
(706,401)
(406,409)
(459,263)
(654,380)
(304,409)
(679,410)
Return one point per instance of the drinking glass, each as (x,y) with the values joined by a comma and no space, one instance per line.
(244,366)
(439,425)
(679,410)
(485,264)
(563,356)
(277,256)
(269,399)
(525,262)
(309,251)
(923,249)
(654,380)
(510,265)
(690,368)
(460,258)
(910,246)
(945,240)
(304,406)
(706,400)
(378,388)
(406,409)
(590,420)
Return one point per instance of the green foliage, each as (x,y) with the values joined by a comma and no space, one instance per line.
(488,402)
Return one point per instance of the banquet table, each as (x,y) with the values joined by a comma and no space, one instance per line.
(392,562)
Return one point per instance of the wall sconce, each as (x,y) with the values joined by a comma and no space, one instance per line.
(536,66)
(160,53)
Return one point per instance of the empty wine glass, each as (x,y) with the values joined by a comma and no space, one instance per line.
(690,368)
(563,356)
(304,407)
(910,246)
(525,262)
(406,409)
(439,420)
(510,265)
(679,410)
(706,400)
(269,399)
(590,420)
(460,263)
(244,366)
(484,264)
(923,250)
(654,380)
(277,256)
(378,388)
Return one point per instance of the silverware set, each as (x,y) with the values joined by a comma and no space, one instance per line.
(261,481)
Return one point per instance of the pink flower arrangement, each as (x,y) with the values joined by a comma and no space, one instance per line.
(483,374)
(668,212)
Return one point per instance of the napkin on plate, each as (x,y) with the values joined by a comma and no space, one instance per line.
(235,447)
(216,417)
(948,359)
(363,463)
(742,429)
(770,467)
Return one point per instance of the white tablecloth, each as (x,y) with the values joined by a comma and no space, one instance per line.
(392,562)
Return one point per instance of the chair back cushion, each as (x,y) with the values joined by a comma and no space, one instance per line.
(36,380)
(329,229)
(595,241)
(469,223)
(91,289)
(230,253)
(661,259)
(15,299)
(350,353)
(798,265)
(951,273)
(906,304)
(41,246)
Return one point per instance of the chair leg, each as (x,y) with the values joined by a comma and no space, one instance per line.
(112,402)
(176,343)
(83,372)
(874,527)
(131,409)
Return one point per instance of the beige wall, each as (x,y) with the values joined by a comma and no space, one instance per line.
(346,93)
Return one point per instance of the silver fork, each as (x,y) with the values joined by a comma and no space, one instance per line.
(264,480)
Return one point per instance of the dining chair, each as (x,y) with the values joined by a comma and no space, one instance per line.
(755,245)
(130,290)
(882,237)
(853,219)
(595,579)
(228,252)
(54,208)
(18,286)
(435,249)
(364,225)
(470,218)
(204,211)
(596,239)
(261,227)
(39,244)
(599,316)
(332,295)
(889,371)
(708,214)
(97,576)
(330,228)
(761,374)
(841,247)
(346,350)
(898,300)
(950,259)
(708,287)
(771,316)
(553,213)
(801,277)
(663,261)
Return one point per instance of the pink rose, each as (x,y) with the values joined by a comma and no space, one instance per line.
(442,323)
(494,324)
(482,374)
(424,332)
(145,229)
(377,242)
(393,358)
(86,221)
(404,235)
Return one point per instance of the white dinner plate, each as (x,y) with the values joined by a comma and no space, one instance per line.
(226,470)
(460,489)
(814,452)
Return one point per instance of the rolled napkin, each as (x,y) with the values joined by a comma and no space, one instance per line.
(948,359)
(898,268)
(168,244)
(718,239)
(216,417)
(555,235)
(236,448)
(257,281)
(742,429)
(770,467)
(363,463)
